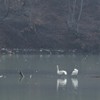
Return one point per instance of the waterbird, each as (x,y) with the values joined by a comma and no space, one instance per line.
(30,76)
(2,76)
(61,72)
(75,72)
(21,74)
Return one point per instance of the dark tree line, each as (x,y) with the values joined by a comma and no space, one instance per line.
(67,24)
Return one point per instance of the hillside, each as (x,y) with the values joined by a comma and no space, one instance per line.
(53,24)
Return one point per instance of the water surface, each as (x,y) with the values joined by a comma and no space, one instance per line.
(44,83)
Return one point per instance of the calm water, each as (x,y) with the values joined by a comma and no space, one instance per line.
(41,81)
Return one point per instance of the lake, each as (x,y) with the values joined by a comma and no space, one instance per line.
(41,81)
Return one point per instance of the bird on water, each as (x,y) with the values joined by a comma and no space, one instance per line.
(61,72)
(75,72)
(21,74)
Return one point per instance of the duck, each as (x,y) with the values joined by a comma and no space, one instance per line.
(61,72)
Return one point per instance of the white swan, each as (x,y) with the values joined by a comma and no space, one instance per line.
(75,72)
(61,72)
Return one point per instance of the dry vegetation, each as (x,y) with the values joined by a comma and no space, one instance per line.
(67,24)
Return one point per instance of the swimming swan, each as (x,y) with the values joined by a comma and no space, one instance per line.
(61,72)
(75,72)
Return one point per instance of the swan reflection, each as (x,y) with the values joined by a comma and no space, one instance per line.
(61,83)
(74,82)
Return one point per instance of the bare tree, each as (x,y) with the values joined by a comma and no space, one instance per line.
(73,12)
(80,12)
(4,9)
(72,21)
